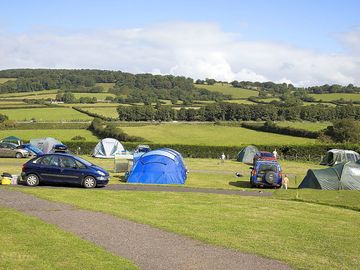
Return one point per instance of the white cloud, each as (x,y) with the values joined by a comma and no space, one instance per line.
(197,50)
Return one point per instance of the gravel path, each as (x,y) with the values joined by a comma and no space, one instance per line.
(148,247)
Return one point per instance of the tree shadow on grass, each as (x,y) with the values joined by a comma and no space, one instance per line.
(240,184)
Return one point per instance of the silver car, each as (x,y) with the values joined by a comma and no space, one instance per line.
(11,150)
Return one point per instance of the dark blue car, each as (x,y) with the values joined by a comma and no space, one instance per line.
(266,173)
(63,168)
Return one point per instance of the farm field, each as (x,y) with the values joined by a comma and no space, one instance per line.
(105,86)
(207,134)
(30,95)
(60,134)
(336,96)
(45,114)
(228,89)
(92,105)
(311,126)
(3,80)
(240,101)
(49,247)
(99,96)
(227,220)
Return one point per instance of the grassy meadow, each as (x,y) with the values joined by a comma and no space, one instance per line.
(228,89)
(105,86)
(45,114)
(311,126)
(336,96)
(304,235)
(208,134)
(3,80)
(33,244)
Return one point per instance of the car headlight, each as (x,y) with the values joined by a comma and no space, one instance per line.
(101,173)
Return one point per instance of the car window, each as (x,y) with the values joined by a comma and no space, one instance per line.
(80,165)
(268,167)
(50,161)
(67,162)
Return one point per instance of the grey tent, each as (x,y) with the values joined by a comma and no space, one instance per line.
(45,144)
(336,156)
(246,155)
(108,148)
(341,176)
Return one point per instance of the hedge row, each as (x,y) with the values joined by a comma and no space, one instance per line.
(273,128)
(290,152)
(95,115)
(40,125)
(109,130)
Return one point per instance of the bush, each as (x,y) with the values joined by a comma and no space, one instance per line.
(3,117)
(78,138)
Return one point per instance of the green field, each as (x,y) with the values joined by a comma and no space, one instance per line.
(336,96)
(45,114)
(99,96)
(3,80)
(105,86)
(60,134)
(29,243)
(31,95)
(207,134)
(304,235)
(240,101)
(311,126)
(228,89)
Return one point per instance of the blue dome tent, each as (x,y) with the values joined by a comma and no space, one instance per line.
(161,166)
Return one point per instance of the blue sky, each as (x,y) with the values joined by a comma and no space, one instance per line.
(319,26)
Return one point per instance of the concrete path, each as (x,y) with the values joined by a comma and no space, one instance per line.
(148,247)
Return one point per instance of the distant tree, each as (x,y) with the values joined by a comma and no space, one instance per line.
(210,81)
(343,131)
(3,117)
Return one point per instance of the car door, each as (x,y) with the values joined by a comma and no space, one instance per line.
(49,169)
(9,150)
(3,150)
(71,170)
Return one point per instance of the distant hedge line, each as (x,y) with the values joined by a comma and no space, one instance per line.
(95,115)
(273,128)
(289,152)
(39,125)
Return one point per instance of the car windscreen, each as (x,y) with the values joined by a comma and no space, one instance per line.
(268,167)
(267,154)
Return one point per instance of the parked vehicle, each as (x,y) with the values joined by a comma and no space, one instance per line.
(266,173)
(262,155)
(34,151)
(63,168)
(10,150)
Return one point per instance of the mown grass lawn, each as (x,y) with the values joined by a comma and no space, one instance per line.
(46,114)
(208,134)
(228,89)
(29,243)
(60,134)
(304,235)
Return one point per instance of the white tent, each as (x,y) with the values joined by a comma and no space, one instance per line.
(108,148)
(45,144)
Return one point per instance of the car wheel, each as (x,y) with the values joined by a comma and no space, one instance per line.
(89,182)
(32,180)
(18,155)
(270,177)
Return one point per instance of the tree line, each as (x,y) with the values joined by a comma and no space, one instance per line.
(223,111)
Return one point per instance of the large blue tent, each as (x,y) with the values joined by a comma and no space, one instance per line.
(161,166)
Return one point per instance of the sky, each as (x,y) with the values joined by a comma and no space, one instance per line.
(304,42)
